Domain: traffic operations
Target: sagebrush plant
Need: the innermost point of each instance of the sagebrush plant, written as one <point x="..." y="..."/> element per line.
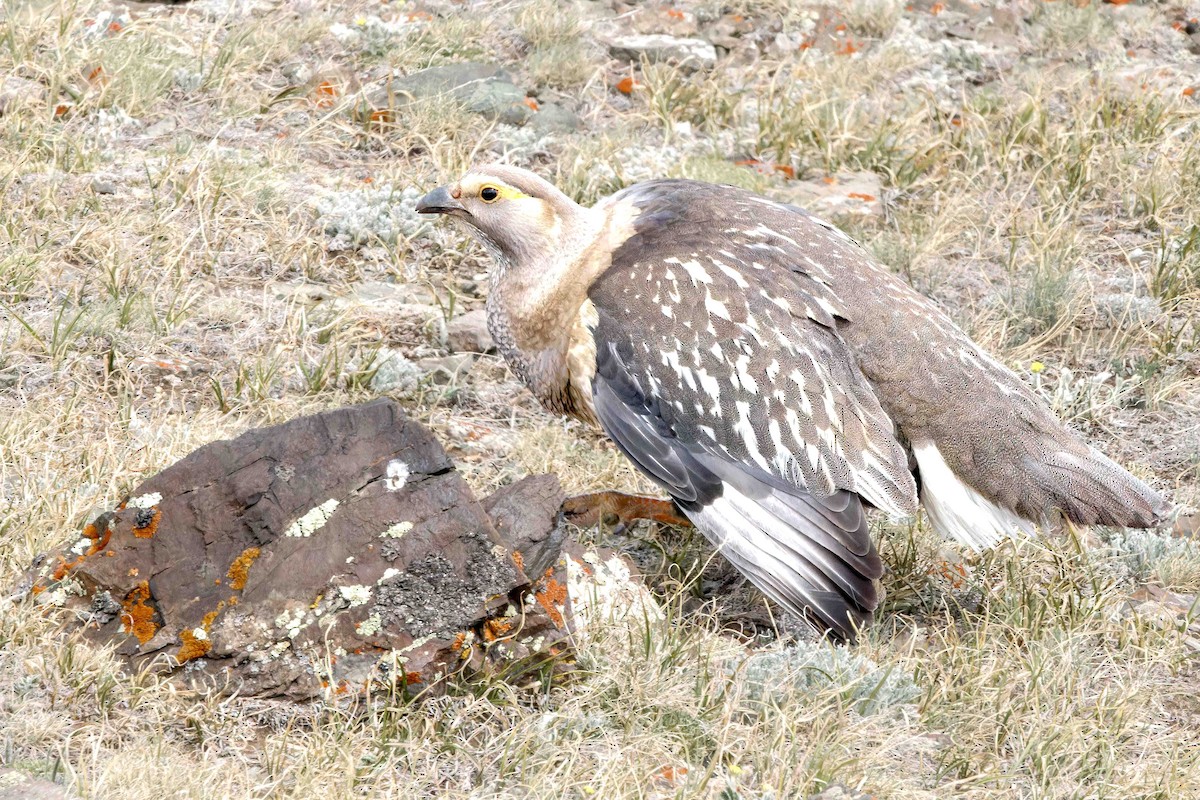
<point x="172" y="181"/>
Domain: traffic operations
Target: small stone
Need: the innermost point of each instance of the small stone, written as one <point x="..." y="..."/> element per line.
<point x="16" y="785"/>
<point x="102" y="186"/>
<point x="484" y="89"/>
<point x="849" y="193"/>
<point x="839" y="792"/>
<point x="553" y="118"/>
<point x="447" y="370"/>
<point x="19" y="93"/>
<point x="297" y="72"/>
<point x="686" y="53"/>
<point x="469" y="333"/>
<point x="161" y="128"/>
<point x="1187" y="526"/>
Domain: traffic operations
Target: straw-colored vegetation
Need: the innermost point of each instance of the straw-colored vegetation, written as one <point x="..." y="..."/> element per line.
<point x="170" y="184"/>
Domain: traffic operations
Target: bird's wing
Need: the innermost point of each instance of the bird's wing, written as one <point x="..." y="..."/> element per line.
<point x="730" y="325"/>
<point x="812" y="554"/>
<point x="721" y="374"/>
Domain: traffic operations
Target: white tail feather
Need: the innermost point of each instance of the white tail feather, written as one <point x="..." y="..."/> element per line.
<point x="956" y="510"/>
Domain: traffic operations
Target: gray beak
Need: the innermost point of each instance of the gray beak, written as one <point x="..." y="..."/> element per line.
<point x="439" y="201"/>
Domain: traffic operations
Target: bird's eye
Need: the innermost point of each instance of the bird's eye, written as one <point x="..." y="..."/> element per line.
<point x="489" y="194"/>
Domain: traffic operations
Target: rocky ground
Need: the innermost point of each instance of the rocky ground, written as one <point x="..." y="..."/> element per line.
<point x="207" y="225"/>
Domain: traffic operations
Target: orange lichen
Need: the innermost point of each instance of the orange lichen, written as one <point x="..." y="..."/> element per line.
<point x="955" y="574"/>
<point x="211" y="616"/>
<point x="192" y="647"/>
<point x="38" y="588"/>
<point x="627" y="84"/>
<point x="137" y="617"/>
<point x="493" y="629"/>
<point x="239" y="570"/>
<point x="99" y="538"/>
<point x="413" y="677"/>
<point x="552" y="597"/>
<point x="460" y="641"/>
<point x="866" y="198"/>
<point x="519" y="560"/>
<point x="64" y="567"/>
<point x="673" y="774"/>
<point x="147" y="530"/>
<point x="325" y="95"/>
<point x="532" y="104"/>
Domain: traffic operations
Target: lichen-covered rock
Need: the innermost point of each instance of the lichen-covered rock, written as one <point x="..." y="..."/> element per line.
<point x="686" y="53"/>
<point x="484" y="89"/>
<point x="328" y="555"/>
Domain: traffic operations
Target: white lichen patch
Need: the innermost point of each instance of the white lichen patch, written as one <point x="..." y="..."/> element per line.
<point x="56" y="597"/>
<point x="359" y="217"/>
<point x="369" y="626"/>
<point x="397" y="530"/>
<point x="388" y="573"/>
<point x="355" y="595"/>
<point x="145" y="501"/>
<point x="82" y="546"/>
<point x="200" y="633"/>
<point x="417" y="643"/>
<point x="291" y="622"/>
<point x="397" y="475"/>
<point x="313" y="520"/>
<point x="605" y="590"/>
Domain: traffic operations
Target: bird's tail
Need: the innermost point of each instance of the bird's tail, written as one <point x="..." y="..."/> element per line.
<point x="1091" y="489"/>
<point x="1082" y="484"/>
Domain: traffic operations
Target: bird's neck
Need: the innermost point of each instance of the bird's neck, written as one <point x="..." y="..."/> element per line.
<point x="534" y="305"/>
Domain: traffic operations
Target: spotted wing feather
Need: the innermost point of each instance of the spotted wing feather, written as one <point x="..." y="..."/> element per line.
<point x="813" y="555"/>
<point x="734" y="336"/>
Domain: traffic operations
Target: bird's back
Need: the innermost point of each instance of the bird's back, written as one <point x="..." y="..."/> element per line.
<point x="987" y="448"/>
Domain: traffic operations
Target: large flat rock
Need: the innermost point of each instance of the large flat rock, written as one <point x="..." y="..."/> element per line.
<point x="324" y="555"/>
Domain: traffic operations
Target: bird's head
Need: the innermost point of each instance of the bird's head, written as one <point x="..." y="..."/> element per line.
<point x="521" y="218"/>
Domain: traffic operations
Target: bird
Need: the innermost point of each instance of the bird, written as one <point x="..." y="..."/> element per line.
<point x="775" y="380"/>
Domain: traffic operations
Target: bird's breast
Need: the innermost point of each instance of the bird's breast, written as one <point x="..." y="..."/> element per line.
<point x="560" y="373"/>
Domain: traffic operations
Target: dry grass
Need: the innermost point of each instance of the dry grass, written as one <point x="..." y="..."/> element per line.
<point x="1022" y="198"/>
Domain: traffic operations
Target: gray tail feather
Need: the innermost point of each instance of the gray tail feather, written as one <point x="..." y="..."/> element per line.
<point x="1091" y="489"/>
<point x="812" y="555"/>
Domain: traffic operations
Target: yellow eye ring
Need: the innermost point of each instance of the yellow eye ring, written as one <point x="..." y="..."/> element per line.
<point x="489" y="194"/>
